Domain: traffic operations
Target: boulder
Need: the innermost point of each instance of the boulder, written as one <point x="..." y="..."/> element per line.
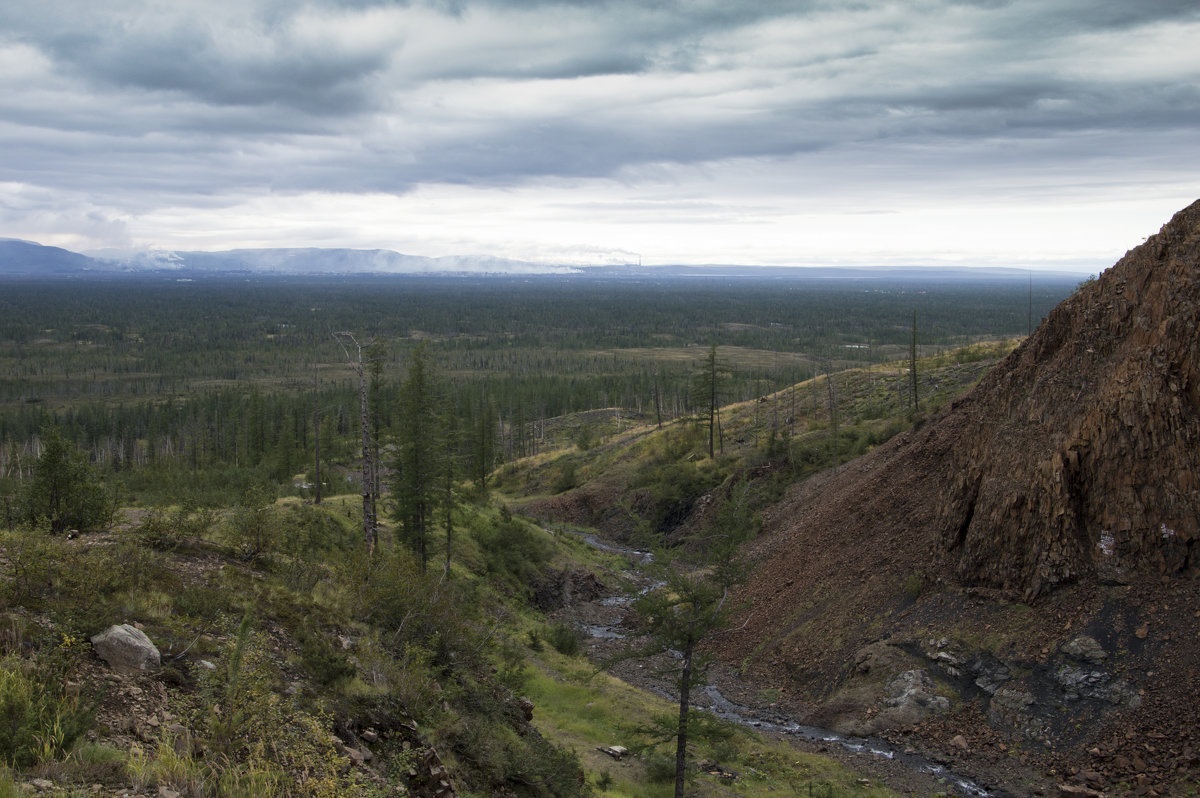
<point x="126" y="649"/>
<point x="911" y="699"/>
<point x="1085" y="649"/>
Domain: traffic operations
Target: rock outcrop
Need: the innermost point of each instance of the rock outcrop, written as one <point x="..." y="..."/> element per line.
<point x="1041" y="531"/>
<point x="1081" y="452"/>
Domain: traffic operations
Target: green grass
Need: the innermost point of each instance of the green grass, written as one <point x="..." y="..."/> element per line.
<point x="584" y="709"/>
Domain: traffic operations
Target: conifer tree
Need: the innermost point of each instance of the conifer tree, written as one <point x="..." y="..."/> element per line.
<point x="65" y="490"/>
<point x="420" y="450"/>
<point x="708" y="388"/>
<point x="912" y="364"/>
<point x="688" y="607"/>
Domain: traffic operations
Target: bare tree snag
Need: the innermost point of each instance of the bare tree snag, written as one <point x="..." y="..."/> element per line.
<point x="369" y="466"/>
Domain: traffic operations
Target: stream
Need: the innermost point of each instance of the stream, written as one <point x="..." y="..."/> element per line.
<point x="711" y="699"/>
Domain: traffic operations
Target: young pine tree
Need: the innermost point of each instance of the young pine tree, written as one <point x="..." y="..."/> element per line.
<point x="65" y="490"/>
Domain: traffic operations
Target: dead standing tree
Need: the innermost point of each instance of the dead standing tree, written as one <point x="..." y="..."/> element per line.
<point x="370" y="468"/>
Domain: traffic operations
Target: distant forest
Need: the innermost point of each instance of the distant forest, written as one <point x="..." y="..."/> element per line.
<point x="215" y="382"/>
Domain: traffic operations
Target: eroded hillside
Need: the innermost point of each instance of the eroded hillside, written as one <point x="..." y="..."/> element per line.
<point x="1031" y="551"/>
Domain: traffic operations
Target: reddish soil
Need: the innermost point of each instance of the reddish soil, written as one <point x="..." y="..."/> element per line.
<point x="1059" y="498"/>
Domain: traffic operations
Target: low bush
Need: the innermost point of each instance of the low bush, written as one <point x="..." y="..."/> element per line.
<point x="39" y="719"/>
<point x="326" y="663"/>
<point x="564" y="638"/>
<point x="513" y="550"/>
<point x="252" y="529"/>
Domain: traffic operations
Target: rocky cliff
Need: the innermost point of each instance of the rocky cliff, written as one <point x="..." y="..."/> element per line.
<point x="1032" y="549"/>
<point x="1080" y="454"/>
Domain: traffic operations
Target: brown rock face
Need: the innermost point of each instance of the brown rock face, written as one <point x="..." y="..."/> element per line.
<point x="1075" y="463"/>
<point x="1080" y="453"/>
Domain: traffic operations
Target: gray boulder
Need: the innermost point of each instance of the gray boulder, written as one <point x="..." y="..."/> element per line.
<point x="1085" y="649"/>
<point x="127" y="649"/>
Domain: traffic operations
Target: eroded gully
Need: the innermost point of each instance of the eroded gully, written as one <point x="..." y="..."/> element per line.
<point x="602" y="621"/>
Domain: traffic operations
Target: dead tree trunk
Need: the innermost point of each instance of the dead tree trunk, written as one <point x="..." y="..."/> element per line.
<point x="369" y="466"/>
<point x="316" y="442"/>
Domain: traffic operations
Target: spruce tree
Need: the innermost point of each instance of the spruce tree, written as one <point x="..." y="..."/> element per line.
<point x="420" y="450"/>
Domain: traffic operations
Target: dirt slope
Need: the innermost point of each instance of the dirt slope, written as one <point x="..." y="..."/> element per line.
<point x="1033" y="549"/>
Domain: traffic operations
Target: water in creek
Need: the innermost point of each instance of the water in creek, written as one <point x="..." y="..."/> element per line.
<point x="723" y="708"/>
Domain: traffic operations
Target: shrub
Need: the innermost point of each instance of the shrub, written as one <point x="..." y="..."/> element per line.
<point x="38" y="719"/>
<point x="327" y="664"/>
<point x="260" y="733"/>
<point x="252" y="529"/>
<point x="535" y="640"/>
<point x="163" y="530"/>
<point x="568" y="478"/>
<point x="424" y="611"/>
<point x="513" y="550"/>
<point x="660" y="768"/>
<point x="165" y="767"/>
<point x="207" y="600"/>
<point x="564" y="637"/>
<point x="673" y="489"/>
<point x="31" y="556"/>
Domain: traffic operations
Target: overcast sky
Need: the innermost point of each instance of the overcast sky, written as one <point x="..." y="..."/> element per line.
<point x="1031" y="133"/>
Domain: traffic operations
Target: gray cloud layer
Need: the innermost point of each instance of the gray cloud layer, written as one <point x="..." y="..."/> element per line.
<point x="129" y="104"/>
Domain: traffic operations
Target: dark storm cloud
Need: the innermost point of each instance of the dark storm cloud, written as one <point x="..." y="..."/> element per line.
<point x="149" y="103"/>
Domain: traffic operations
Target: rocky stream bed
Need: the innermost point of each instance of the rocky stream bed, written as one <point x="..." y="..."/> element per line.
<point x="897" y="762"/>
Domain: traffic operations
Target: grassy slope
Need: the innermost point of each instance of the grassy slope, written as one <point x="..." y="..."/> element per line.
<point x="338" y="649"/>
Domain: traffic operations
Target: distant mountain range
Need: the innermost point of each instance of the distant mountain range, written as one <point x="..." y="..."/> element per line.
<point x="30" y="259"/>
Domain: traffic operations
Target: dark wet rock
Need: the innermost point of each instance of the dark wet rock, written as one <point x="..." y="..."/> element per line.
<point x="1088" y="683"/>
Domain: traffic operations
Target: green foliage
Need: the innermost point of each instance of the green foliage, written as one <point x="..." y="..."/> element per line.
<point x="672" y="489"/>
<point x="709" y="389"/>
<point x="568" y="477"/>
<point x="252" y="528"/>
<point x="660" y="768"/>
<point x="164" y="529"/>
<point x="64" y="489"/>
<point x="79" y="586"/>
<point x="418" y="610"/>
<point x="686" y="607"/>
<point x="534" y="638"/>
<point x="421" y="455"/>
<point x="164" y="766"/>
<point x="40" y="719"/>
<point x="515" y="353"/>
<point x="31" y="556"/>
<point x="737" y="517"/>
<point x="584" y="437"/>
<point x="263" y="737"/>
<point x="564" y="637"/>
<point x="207" y="415"/>
<point x="326" y="663"/>
<point x="156" y="530"/>
<point x="504" y="761"/>
<point x="208" y="600"/>
<point x="513" y="550"/>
